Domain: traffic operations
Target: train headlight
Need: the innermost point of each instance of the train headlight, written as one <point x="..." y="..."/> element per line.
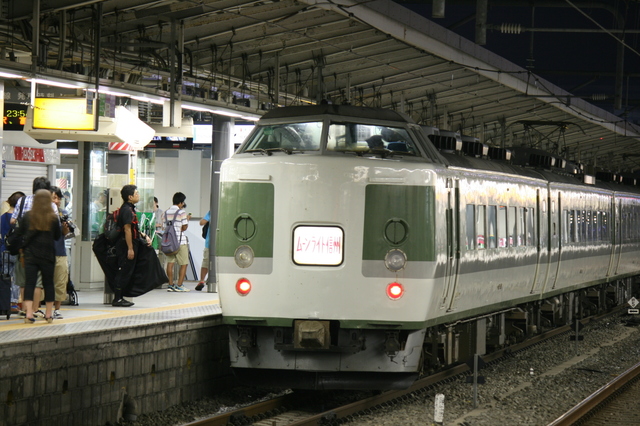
<point x="395" y="260"/>
<point x="243" y="286"/>
<point x="243" y="256"/>
<point x="395" y="291"/>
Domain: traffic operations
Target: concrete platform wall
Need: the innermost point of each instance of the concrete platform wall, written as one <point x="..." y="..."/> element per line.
<point x="81" y="379"/>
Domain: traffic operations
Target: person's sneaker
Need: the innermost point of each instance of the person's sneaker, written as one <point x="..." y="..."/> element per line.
<point x="22" y="314"/>
<point x="122" y="303"/>
<point x="181" y="288"/>
<point x="200" y="286"/>
<point x="171" y="288"/>
<point x="38" y="314"/>
<point x="57" y="315"/>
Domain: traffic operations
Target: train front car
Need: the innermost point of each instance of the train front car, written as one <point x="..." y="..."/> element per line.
<point x="326" y="249"/>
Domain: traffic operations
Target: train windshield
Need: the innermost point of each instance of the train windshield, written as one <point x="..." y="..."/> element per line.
<point x="370" y="139"/>
<point x="355" y="138"/>
<point x="289" y="138"/>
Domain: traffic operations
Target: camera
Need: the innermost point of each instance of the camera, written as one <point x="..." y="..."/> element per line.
<point x="70" y="225"/>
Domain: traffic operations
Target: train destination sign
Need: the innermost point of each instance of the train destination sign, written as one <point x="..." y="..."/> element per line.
<point x="318" y="245"/>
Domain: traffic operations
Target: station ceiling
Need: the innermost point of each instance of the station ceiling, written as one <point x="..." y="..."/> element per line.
<point x="245" y="57"/>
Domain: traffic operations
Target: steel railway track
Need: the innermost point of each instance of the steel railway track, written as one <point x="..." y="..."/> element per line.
<point x="286" y="410"/>
<point x="599" y="399"/>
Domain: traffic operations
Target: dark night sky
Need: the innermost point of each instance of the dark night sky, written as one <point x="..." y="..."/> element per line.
<point x="582" y="63"/>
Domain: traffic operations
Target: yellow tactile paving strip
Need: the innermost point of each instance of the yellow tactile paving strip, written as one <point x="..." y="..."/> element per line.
<point x="93" y="315"/>
<point x="16" y="323"/>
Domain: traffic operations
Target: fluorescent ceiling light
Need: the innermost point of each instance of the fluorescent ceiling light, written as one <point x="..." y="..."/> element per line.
<point x="110" y="92"/>
<point x="145" y="99"/>
<point x="54" y="83"/>
<point x="9" y="75"/>
<point x="197" y="108"/>
<point x="220" y="111"/>
<point x="68" y="151"/>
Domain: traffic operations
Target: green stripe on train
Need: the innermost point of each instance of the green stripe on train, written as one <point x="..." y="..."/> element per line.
<point x="400" y="217"/>
<point x="246" y="218"/>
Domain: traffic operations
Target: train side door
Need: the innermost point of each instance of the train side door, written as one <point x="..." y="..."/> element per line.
<point x="616" y="236"/>
<point x="453" y="241"/>
<point x="542" y="228"/>
<point x="555" y="238"/>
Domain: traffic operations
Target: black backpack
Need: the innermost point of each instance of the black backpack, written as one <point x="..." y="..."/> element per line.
<point x="111" y="229"/>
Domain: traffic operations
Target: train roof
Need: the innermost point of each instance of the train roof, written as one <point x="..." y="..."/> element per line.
<point x="501" y="166"/>
<point x="347" y="111"/>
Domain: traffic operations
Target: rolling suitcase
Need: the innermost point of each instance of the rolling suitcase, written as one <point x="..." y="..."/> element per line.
<point x="5" y="286"/>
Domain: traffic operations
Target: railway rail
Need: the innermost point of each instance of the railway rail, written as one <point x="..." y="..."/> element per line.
<point x="600" y="399"/>
<point x="287" y="409"/>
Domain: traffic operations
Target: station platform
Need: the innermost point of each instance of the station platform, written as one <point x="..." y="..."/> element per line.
<point x="92" y="314"/>
<point x="167" y="349"/>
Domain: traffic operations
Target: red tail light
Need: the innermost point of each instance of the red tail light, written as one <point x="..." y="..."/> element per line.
<point x="395" y="291"/>
<point x="243" y="286"/>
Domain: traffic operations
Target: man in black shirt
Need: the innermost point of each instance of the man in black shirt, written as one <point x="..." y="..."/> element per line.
<point x="127" y="247"/>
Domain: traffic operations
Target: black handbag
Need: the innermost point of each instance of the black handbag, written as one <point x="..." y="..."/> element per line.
<point x="205" y="229"/>
<point x="14" y="241"/>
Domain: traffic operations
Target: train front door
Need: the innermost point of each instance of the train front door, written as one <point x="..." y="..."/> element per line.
<point x="453" y="242"/>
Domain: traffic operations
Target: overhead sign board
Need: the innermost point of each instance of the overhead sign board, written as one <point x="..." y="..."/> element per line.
<point x="62" y="114"/>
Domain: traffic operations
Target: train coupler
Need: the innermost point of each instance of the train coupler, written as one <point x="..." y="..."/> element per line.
<point x="392" y="343"/>
<point x="246" y="339"/>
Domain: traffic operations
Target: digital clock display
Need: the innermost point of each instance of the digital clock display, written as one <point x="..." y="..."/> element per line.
<point x="15" y="116"/>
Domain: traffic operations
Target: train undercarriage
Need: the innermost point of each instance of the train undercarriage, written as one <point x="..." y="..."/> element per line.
<point x="316" y="354"/>
<point x="458" y="342"/>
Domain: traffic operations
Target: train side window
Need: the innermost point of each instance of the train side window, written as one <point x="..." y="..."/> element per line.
<point x="521" y="240"/>
<point x="605" y="227"/>
<point x="566" y="220"/>
<point x="589" y="225"/>
<point x="491" y="220"/>
<point x="512" y="219"/>
<point x="471" y="226"/>
<point x="502" y="226"/>
<point x="598" y="225"/>
<point x="627" y="227"/>
<point x="571" y="227"/>
<point x="530" y="228"/>
<point x="480" y="234"/>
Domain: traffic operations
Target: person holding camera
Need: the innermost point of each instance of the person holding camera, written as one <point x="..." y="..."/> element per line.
<point x="180" y="221"/>
<point x="61" y="269"/>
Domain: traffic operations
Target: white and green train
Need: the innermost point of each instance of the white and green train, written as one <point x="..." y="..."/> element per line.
<point x="353" y="253"/>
